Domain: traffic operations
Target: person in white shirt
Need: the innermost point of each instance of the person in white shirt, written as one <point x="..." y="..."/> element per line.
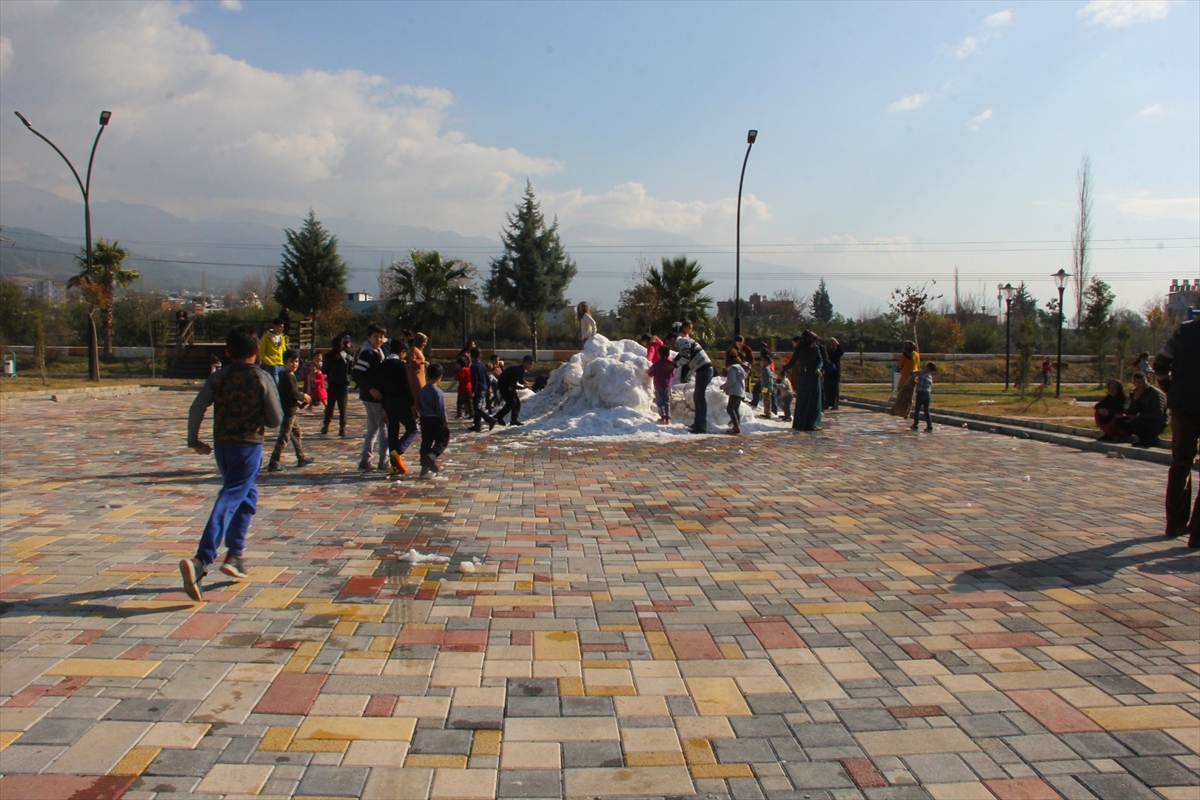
<point x="587" y="324"/>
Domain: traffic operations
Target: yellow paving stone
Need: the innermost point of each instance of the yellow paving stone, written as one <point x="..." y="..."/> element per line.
<point x="926" y="695"/>
<point x="1043" y="679"/>
<point x="959" y="791"/>
<point x="463" y="784"/>
<point x="915" y="742"/>
<point x="254" y="672"/>
<point x="747" y="575"/>
<point x="924" y="666"/>
<point x="7" y="738"/>
<point x="1069" y="597"/>
<point x="530" y="755"/>
<point x="904" y="566"/>
<point x="1135" y="718"/>
<point x="425" y="707"/>
<point x="958" y="684"/>
<point x="811" y="682"/>
<point x="135" y="761"/>
<point x="102" y="668"/>
<point x="793" y="655"/>
<point x="530" y="600"/>
<point x="1066" y="652"/>
<point x="388" y="755"/>
<point x="319" y="746"/>
<point x="556" y="646"/>
<point x="352" y="728"/>
<point x="1165" y="684"/>
<point x="731" y="650"/>
<point x="605" y="690"/>
<point x="650" y="740"/>
<point x="485" y="743"/>
<point x="689" y="525"/>
<point x="174" y="735"/>
<point x="654" y="669"/>
<point x="340" y="705"/>
<point x="853" y="672"/>
<point x="698" y="751"/>
<point x="660" y="647"/>
<point x="571" y="687"/>
<point x="277" y="738"/>
<point x="668" y="687"/>
<point x="601" y="664"/>
<point x="277" y="598"/>
<point x="819" y="609"/>
<point x="717" y="697"/>
<point x="435" y="761"/>
<point x="1001" y="655"/>
<point x="653" y="759"/>
<point x="298" y="663"/>
<point x="447" y="677"/>
<point x="646" y="706"/>
<point x="628" y="782"/>
<point x="1177" y="792"/>
<point x="709" y="771"/>
<point x="1188" y="737"/>
<point x="764" y="684"/>
<point x="235" y="779"/>
<point x="1087" y="697"/>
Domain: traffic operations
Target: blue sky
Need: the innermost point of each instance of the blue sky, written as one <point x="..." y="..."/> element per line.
<point x="887" y="130"/>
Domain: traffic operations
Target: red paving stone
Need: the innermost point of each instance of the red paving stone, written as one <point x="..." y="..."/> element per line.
<point x="776" y="635"/>
<point x="202" y="626"/>
<point x="363" y="584"/>
<point x="1023" y="789"/>
<point x="63" y="787"/>
<point x="863" y="773"/>
<point x="291" y="693"/>
<point x="693" y="646"/>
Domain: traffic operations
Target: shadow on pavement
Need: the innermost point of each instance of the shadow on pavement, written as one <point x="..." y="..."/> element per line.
<point x="1091" y="566"/>
<point x="85" y="604"/>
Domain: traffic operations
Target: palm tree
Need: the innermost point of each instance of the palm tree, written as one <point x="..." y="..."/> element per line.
<point x="680" y="292"/>
<point x="100" y="289"/>
<point x="425" y="289"/>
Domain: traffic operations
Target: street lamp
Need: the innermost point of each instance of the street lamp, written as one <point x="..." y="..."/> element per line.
<point x="1060" y="280"/>
<point x="462" y="299"/>
<point x="737" y="268"/>
<point x="1008" y="292"/>
<point x="85" y="188"/>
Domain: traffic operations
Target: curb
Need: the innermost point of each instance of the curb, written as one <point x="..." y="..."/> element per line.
<point x="1039" y="431"/>
<point x="91" y="393"/>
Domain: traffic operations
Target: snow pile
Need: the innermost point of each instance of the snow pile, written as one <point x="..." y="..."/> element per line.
<point x="605" y="391"/>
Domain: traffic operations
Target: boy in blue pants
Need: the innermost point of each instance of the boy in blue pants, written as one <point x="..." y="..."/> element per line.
<point x="244" y="402"/>
<point x="923" y="395"/>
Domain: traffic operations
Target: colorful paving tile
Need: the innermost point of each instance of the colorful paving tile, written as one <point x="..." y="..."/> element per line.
<point x="856" y="613"/>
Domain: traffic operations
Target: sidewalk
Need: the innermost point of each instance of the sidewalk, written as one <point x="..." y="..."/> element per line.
<point x="862" y="612"/>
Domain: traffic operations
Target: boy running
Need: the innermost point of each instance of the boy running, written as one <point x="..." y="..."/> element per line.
<point x="291" y="399"/>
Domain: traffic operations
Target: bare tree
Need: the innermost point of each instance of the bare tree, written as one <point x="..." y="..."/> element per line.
<point x="911" y="303"/>
<point x="1081" y="245"/>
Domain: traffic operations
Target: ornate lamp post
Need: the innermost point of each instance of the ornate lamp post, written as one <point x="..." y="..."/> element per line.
<point x="1008" y="291"/>
<point x="737" y="268"/>
<point x="1060" y="280"/>
<point x="85" y="188"/>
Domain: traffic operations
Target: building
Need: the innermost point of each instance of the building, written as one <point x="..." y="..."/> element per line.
<point x="50" y="291"/>
<point x="358" y="302"/>
<point x="757" y="305"/>
<point x="1182" y="296"/>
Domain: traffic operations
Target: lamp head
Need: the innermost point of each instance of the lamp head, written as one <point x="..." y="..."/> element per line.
<point x="1060" y="279"/>
<point x="104" y="117"/>
<point x="751" y="136"/>
<point x="1009" y="291"/>
<point x="21" y="117"/>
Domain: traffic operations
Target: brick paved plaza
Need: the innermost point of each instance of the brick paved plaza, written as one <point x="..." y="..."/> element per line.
<point x="860" y="612"/>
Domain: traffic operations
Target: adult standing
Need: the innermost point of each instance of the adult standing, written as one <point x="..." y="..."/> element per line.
<point x="270" y="350"/>
<point x="807" y="368"/>
<point x="417" y="363"/>
<point x="587" y="324"/>
<point x="1177" y="367"/>
<point x="910" y="362"/>
<point x="693" y="359"/>
<point x="337" y="364"/>
<point x="833" y="373"/>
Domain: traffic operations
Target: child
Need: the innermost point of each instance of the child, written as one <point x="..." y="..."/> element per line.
<point x="508" y="383"/>
<point x="214" y="364"/>
<point x="786" y="395"/>
<point x="463" y="378"/>
<point x="662" y="370"/>
<point x="398" y="406"/>
<point x="366" y="374"/>
<point x="766" y="384"/>
<point x="923" y="391"/>
<point x="479" y="391"/>
<point x="291" y="399"/>
<point x="244" y="403"/>
<point x="314" y="383"/>
<point x="495" y="367"/>
<point x="735" y="387"/>
<point x="435" y="431"/>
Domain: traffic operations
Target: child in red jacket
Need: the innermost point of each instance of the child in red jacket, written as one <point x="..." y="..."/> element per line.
<point x="463" y="376"/>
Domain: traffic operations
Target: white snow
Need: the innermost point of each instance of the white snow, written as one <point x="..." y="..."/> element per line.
<point x="605" y="392"/>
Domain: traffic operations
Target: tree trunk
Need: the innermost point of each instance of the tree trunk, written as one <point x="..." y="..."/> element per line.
<point x="534" y="331"/>
<point x="106" y="319"/>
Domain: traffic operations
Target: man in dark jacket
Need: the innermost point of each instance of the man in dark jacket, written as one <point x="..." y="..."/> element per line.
<point x="512" y="378"/>
<point x="479" y="389"/>
<point x="1146" y="416"/>
<point x="337" y="365"/>
<point x="1177" y="367"/>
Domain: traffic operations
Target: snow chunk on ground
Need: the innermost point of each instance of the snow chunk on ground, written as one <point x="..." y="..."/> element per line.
<point x="604" y="391"/>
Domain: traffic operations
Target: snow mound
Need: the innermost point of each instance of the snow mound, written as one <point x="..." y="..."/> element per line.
<point x="604" y="391"/>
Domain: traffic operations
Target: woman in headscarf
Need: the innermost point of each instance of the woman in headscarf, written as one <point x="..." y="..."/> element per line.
<point x="1109" y="409"/>
<point x="833" y="372"/>
<point x="910" y="362"/>
<point x="807" y="366"/>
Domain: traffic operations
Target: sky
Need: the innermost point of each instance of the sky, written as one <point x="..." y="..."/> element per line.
<point x="897" y="141"/>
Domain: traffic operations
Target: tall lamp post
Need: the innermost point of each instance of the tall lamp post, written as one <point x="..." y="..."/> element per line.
<point x="737" y="267"/>
<point x="84" y="187"/>
<point x="462" y="301"/>
<point x="1008" y="291"/>
<point x="1060" y="280"/>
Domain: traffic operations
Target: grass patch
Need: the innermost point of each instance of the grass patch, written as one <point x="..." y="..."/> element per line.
<point x="994" y="401"/>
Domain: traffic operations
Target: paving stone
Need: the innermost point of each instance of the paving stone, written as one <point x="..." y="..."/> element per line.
<point x="1123" y="786"/>
<point x="530" y="783"/>
<point x="1157" y="770"/>
<point x="592" y="754"/>
<point x="333" y="781"/>
<point x="1148" y="743"/>
<point x="825" y="775"/>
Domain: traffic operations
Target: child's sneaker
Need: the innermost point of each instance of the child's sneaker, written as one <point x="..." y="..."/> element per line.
<point x="364" y="465"/>
<point x="735" y="430"/>
<point x="235" y="567"/>
<point x="929" y="429"/>
<point x="397" y="463"/>
<point x="914" y="427"/>
<point x="274" y="466"/>
<point x="304" y="462"/>
<point x="193" y="572"/>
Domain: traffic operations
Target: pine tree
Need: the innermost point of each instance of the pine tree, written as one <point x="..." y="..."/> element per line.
<point x="822" y="306"/>
<point x="535" y="269"/>
<point x="310" y="267"/>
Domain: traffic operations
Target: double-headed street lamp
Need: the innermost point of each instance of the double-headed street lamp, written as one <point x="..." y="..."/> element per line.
<point x="737" y="268"/>
<point x="85" y="187"/>
<point x="1008" y="291"/>
<point x="1060" y="280"/>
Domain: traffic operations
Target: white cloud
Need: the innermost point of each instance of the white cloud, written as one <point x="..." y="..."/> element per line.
<point x="231" y="5"/>
<point x="1122" y="13"/>
<point x="198" y="133"/>
<point x="909" y="102"/>
<point x="999" y="19"/>
<point x="1144" y="207"/>
<point x="630" y="206"/>
<point x="976" y="122"/>
<point x="969" y="45"/>
<point x="1151" y="111"/>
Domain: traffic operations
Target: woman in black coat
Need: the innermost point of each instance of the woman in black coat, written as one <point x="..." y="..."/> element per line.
<point x="833" y="372"/>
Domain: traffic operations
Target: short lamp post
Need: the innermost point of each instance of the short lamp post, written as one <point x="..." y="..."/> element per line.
<point x="737" y="262"/>
<point x="462" y="301"/>
<point x="85" y="187"/>
<point x="1008" y="291"/>
<point x="1060" y="281"/>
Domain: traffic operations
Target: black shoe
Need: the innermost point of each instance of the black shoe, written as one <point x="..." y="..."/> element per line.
<point x="1106" y="438"/>
<point x="929" y="429"/>
<point x="325" y="431"/>
<point x="304" y="462"/>
<point x="193" y="572"/>
<point x="274" y="467"/>
<point x="364" y="465"/>
<point x="1194" y="541"/>
<point x="914" y="427"/>
<point x="475" y="429"/>
<point x="1145" y="442"/>
<point x="697" y="430"/>
<point x="516" y="424"/>
<point x="1175" y="533"/>
<point x="491" y="423"/>
<point x="341" y="434"/>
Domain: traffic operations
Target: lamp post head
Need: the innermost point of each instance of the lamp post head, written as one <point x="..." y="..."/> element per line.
<point x="751" y="136"/>
<point x="104" y="118"/>
<point x="21" y="117"/>
<point x="1009" y="292"/>
<point x="1060" y="279"/>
